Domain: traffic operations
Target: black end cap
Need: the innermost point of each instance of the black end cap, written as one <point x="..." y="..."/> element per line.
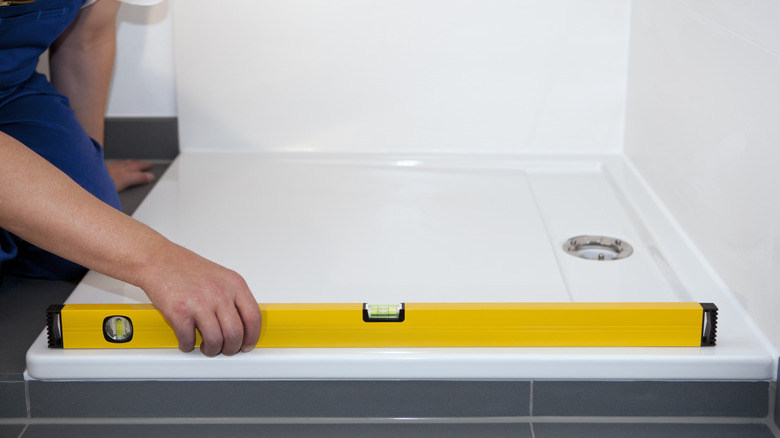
<point x="709" y="324"/>
<point x="54" y="325"/>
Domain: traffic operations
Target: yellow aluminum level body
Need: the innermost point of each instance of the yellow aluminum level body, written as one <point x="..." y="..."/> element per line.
<point x="424" y="325"/>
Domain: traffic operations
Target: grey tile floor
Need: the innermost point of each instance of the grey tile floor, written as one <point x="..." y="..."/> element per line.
<point x="739" y="413"/>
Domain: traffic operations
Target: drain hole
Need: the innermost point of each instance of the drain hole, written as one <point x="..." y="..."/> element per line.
<point x="598" y="248"/>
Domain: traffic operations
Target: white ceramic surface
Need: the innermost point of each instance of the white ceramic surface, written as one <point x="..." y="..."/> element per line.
<point x="345" y="228"/>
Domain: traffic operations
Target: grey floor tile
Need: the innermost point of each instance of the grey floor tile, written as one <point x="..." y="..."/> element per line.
<point x="23" y="303"/>
<point x="10" y="430"/>
<point x="351" y="398"/>
<point x="639" y="430"/>
<point x="284" y="430"/>
<point x="691" y="399"/>
<point x="13" y="402"/>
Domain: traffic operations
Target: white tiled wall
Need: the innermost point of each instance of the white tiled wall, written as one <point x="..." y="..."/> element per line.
<point x="431" y="75"/>
<point x="703" y="126"/>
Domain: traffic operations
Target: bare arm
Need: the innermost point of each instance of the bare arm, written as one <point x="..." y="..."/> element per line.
<point x="45" y="207"/>
<point x="81" y="62"/>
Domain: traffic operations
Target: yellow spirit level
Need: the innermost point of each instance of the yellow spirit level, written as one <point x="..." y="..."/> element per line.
<point x="409" y="325"/>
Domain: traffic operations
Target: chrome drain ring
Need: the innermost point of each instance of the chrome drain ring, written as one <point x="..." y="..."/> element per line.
<point x="600" y="248"/>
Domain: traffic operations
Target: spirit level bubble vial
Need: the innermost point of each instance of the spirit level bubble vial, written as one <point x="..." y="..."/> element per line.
<point x="117" y="329"/>
<point x="338" y="325"/>
<point x="383" y="312"/>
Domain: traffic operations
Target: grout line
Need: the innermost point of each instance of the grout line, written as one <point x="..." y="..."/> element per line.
<point x="773" y="428"/>
<point x="382" y="420"/>
<point x="260" y="420"/>
<point x="531" y="408"/>
<point x="27" y="398"/>
<point x="771" y="419"/>
<point x="24" y="429"/>
<point x="652" y="420"/>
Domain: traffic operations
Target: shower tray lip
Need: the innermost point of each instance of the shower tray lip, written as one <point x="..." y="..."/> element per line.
<point x="742" y="352"/>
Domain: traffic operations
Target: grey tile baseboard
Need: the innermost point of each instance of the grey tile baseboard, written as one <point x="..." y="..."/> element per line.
<point x="149" y="138"/>
<point x="651" y="398"/>
<point x="398" y="399"/>
<point x="644" y="430"/>
<point x="315" y="398"/>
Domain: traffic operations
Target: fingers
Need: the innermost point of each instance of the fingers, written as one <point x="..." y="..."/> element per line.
<point x="221" y="332"/>
<point x="185" y="333"/>
<point x="194" y="293"/>
<point x="250" y="316"/>
<point x="232" y="331"/>
<point x="227" y="323"/>
<point x="129" y="173"/>
<point x="211" y="332"/>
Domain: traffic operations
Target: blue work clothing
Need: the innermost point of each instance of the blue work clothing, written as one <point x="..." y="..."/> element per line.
<point x="35" y="114"/>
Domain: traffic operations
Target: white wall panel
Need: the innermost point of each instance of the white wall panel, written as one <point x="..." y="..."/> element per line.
<point x="702" y="126"/>
<point x="143" y="82"/>
<point x="753" y="20"/>
<point x="465" y="75"/>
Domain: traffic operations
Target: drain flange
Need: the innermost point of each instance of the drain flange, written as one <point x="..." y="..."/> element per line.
<point x="598" y="248"/>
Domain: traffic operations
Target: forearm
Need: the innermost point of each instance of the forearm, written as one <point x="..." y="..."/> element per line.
<point x="81" y="63"/>
<point x="45" y="207"/>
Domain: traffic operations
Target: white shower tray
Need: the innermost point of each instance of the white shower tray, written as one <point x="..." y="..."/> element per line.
<point x="307" y="227"/>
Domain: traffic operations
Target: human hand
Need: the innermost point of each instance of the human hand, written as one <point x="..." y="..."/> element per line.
<point x="128" y="173"/>
<point x="192" y="292"/>
<point x="47" y="208"/>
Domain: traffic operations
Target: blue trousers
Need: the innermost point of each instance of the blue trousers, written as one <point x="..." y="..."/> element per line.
<point x="41" y="119"/>
<point x="35" y="114"/>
